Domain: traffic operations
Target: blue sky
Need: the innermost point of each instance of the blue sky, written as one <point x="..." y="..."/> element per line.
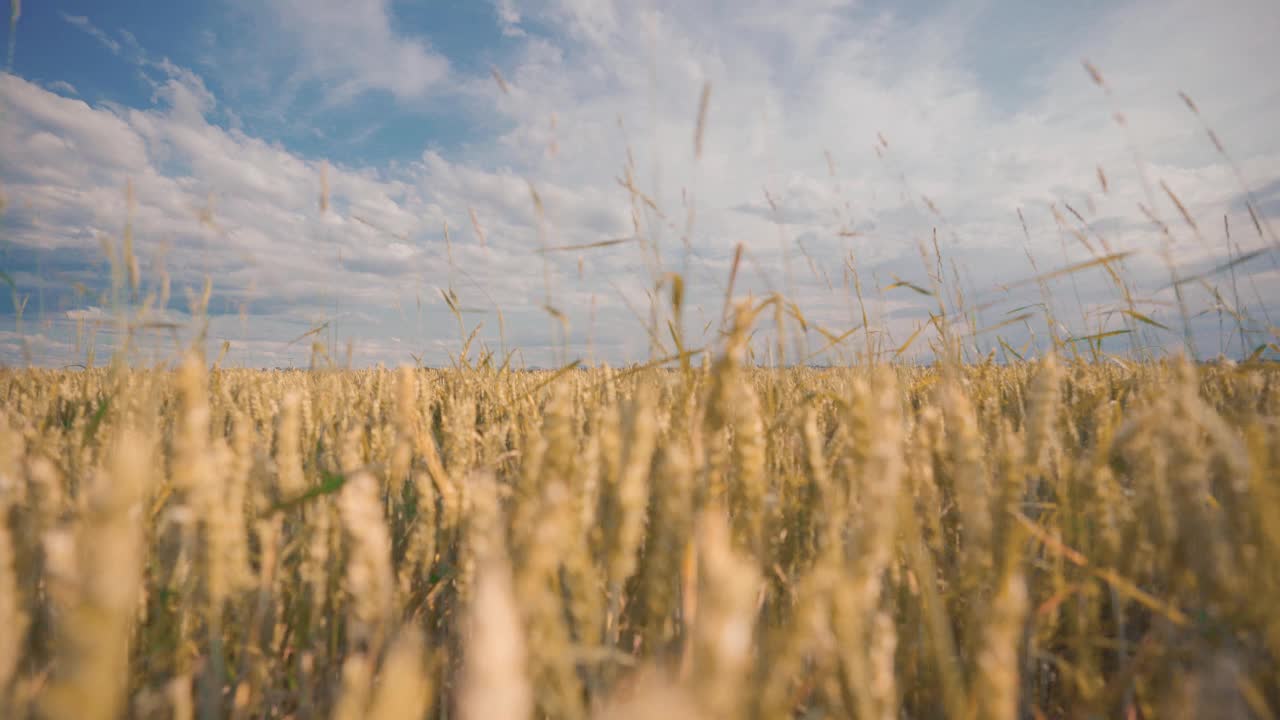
<point x="228" y="117"/>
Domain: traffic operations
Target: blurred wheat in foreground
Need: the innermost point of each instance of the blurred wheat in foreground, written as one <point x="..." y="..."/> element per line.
<point x="1048" y="539"/>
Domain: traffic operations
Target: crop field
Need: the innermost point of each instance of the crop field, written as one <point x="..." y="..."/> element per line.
<point x="1055" y="538"/>
<point x="1035" y="476"/>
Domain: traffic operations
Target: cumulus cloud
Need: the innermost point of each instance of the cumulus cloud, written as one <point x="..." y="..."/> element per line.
<point x="214" y="202"/>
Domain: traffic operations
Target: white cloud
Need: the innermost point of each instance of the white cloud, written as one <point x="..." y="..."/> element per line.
<point x="788" y="90"/>
<point x="63" y="87"/>
<point x="93" y="31"/>
<point x="508" y="18"/>
<point x="353" y="47"/>
<point x="91" y="312"/>
<point x="267" y="243"/>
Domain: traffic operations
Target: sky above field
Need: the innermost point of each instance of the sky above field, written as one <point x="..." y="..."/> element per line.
<point x="342" y="165"/>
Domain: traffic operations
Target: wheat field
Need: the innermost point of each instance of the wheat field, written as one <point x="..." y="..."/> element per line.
<point x="1078" y="530"/>
<point x="1052" y="538"/>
